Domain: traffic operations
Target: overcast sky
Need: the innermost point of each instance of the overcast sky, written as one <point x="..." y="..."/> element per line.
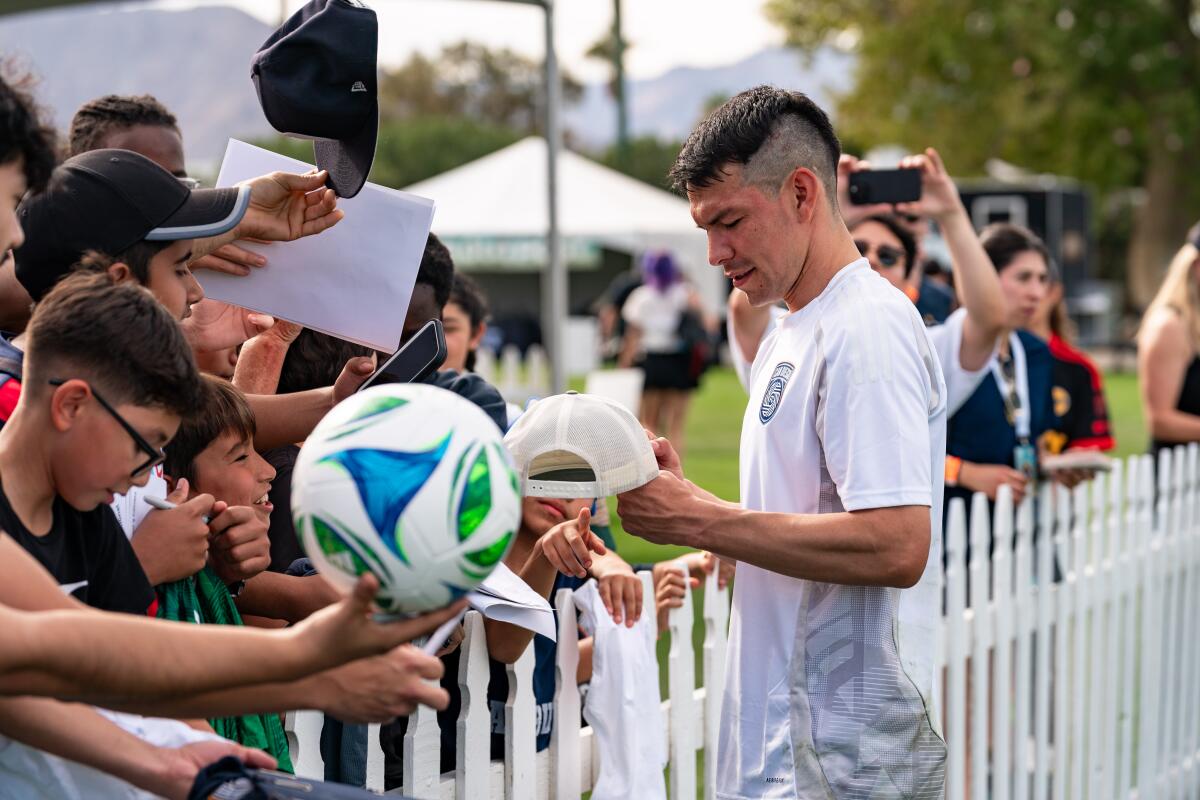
<point x="663" y="33"/>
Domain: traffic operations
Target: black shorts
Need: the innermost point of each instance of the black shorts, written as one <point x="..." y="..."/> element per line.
<point x="668" y="371"/>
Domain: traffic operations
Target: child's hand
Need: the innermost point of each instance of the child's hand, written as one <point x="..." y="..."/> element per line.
<point x="240" y="548"/>
<point x="621" y="593"/>
<point x="670" y="589"/>
<point x="568" y="545"/>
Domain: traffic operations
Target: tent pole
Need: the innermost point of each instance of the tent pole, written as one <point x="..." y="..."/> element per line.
<point x="554" y="283"/>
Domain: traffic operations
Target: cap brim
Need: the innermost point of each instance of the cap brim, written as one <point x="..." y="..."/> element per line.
<point x="349" y="160"/>
<point x="206" y="212"/>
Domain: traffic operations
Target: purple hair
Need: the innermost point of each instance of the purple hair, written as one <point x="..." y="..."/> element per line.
<point x="659" y="270"/>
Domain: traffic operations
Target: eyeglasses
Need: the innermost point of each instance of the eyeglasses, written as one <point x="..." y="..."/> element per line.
<point x="157" y="456"/>
<point x="888" y="256"/>
<point x="190" y="183"/>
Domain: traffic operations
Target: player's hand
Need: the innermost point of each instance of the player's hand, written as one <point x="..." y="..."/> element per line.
<point x="240" y="547"/>
<point x="347" y="631"/>
<point x="285" y="206"/>
<point x="664" y="511"/>
<point x="664" y="452"/>
<point x="179" y="766"/>
<point x="988" y="478"/>
<point x="384" y="687"/>
<point x="569" y="545"/>
<point x="173" y="545"/>
<point x="939" y="195"/>
<point x="354" y="375"/>
<point x="214" y="325"/>
<point x="230" y="260"/>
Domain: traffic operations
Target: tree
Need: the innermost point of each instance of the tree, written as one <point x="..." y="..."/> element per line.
<point x="470" y="80"/>
<point x="1104" y="90"/>
<point x="646" y="158"/>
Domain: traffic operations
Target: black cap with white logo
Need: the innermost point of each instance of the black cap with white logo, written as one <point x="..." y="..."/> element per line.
<point x="315" y="79"/>
<point x="109" y="200"/>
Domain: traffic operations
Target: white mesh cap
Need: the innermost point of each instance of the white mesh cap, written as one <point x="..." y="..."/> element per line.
<point x="578" y="445"/>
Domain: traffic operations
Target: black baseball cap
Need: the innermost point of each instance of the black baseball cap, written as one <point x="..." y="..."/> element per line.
<point x="109" y="200"/>
<point x="316" y="79"/>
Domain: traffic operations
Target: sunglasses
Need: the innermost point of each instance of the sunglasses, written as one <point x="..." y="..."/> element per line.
<point x="156" y="455"/>
<point x="888" y="256"/>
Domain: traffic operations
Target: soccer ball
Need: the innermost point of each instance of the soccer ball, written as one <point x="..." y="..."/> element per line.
<point x="413" y="484"/>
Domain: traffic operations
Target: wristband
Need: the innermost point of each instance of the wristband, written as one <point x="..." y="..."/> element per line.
<point x="953" y="468"/>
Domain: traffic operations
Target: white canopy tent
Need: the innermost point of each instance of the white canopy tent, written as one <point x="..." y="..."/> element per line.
<point x="500" y="195"/>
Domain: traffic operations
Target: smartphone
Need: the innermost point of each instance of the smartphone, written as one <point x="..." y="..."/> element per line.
<point x="419" y="358"/>
<point x="885" y="186"/>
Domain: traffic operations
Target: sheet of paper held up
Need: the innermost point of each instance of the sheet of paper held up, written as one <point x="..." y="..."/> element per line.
<point x="353" y="281"/>
<point x="504" y="597"/>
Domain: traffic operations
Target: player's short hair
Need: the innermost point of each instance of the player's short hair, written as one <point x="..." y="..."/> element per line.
<point x="770" y="132"/>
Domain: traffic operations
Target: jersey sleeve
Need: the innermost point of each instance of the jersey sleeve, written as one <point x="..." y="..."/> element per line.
<point x="116" y="580"/>
<point x="947" y="342"/>
<point x="632" y="311"/>
<point x="877" y="391"/>
<point x="1086" y="426"/>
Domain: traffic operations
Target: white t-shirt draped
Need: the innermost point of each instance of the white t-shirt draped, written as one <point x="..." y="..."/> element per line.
<point x="657" y="314"/>
<point x="830" y="688"/>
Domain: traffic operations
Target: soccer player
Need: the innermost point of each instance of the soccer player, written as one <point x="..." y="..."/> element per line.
<point x="830" y="674"/>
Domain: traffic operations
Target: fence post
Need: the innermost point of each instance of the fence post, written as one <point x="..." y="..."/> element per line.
<point x="1025" y="625"/>
<point x="473" y="729"/>
<point x="1131" y="560"/>
<point x="956" y="649"/>
<point x="1041" y="671"/>
<point x="1151" y="620"/>
<point x="1003" y="605"/>
<point x="303" y="732"/>
<point x="1082" y="669"/>
<point x="565" y="756"/>
<point x="1064" y="592"/>
<point x="681" y="681"/>
<point x="716" y="635"/>
<point x="1102" y="592"/>
<point x="978" y="702"/>
<point x="422" y="754"/>
<point x="520" y="731"/>
<point x="1188" y="720"/>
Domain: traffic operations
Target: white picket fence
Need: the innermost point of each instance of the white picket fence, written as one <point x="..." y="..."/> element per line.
<point x="1082" y="688"/>
<point x="571" y="765"/>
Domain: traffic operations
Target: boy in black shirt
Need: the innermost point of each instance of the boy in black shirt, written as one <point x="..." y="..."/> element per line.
<point x="99" y="402"/>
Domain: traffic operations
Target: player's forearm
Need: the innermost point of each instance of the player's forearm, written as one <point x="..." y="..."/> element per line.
<point x="876" y="547"/>
<point x="263" y="698"/>
<point x="288" y="418"/>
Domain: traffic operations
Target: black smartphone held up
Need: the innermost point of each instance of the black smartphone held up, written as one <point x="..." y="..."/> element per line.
<point x="416" y="360"/>
<point x="885" y="186"/>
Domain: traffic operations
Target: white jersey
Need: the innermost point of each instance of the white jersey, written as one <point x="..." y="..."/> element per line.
<point x="830" y="689"/>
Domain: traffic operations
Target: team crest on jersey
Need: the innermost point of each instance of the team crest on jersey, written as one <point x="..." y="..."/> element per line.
<point x="774" y="394"/>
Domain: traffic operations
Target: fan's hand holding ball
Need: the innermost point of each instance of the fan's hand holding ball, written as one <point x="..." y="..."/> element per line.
<point x="410" y="483"/>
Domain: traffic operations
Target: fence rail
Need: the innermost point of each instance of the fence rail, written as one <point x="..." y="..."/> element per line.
<point x="1070" y="661"/>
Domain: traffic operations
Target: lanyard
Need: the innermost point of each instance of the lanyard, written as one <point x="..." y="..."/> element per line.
<point x="1015" y="393"/>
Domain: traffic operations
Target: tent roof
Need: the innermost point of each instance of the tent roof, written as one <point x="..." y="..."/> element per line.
<point x="504" y="194"/>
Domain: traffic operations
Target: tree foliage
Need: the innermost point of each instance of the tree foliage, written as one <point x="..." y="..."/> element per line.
<point x="1104" y="90"/>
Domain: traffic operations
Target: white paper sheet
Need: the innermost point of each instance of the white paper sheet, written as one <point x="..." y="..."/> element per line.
<point x="353" y="281"/>
<point x="504" y="597"/>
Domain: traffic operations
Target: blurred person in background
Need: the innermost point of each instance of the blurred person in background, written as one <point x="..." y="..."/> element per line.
<point x="465" y="318"/>
<point x="1169" y="352"/>
<point x="1080" y="413"/>
<point x="664" y="327"/>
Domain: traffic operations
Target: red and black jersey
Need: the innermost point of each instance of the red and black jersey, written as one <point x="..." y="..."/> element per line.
<point x="1080" y="413"/>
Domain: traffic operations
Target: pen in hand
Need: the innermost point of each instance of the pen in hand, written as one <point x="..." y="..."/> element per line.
<point x="166" y="505"/>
